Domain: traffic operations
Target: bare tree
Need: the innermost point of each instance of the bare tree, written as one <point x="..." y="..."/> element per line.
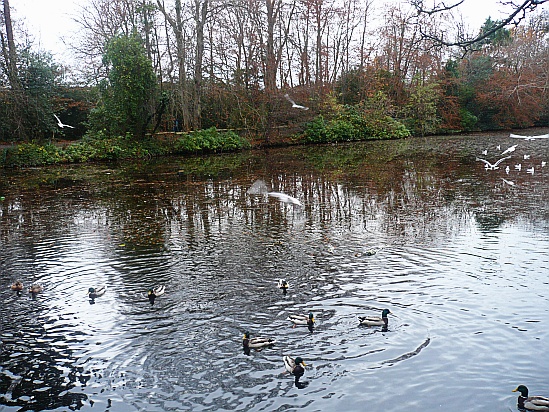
<point x="9" y="51"/>
<point x="177" y="22"/>
<point x="515" y="16"/>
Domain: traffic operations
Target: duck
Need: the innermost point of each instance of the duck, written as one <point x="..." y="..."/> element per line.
<point x="255" y="343"/>
<point x="374" y="320"/>
<point x="284" y="285"/>
<point x="533" y="403"/>
<point x="306" y="320"/>
<point x="295" y="366"/>
<point x="17" y="287"/>
<point x="94" y="293"/>
<point x="35" y="288"/>
<point x="155" y="292"/>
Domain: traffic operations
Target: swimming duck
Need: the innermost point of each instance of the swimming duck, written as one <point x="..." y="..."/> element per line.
<point x="295" y="366"/>
<point x="374" y="320"/>
<point x="533" y="403"/>
<point x="307" y="320"/>
<point x="283" y="284"/>
<point x="17" y="287"/>
<point x="255" y="343"/>
<point x="156" y="292"/>
<point x="35" y="288"/>
<point x="94" y="293"/>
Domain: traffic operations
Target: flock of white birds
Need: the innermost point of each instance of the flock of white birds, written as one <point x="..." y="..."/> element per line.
<point x="530" y="168"/>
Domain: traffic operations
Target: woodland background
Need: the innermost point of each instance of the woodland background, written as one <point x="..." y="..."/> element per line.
<point x="145" y="67"/>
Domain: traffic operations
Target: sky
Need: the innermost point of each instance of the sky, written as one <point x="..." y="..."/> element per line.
<point x="50" y="21"/>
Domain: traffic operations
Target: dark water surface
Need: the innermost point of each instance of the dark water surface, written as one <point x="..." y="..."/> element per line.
<point x="461" y="261"/>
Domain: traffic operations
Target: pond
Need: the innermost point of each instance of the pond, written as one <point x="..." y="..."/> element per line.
<point x="456" y="252"/>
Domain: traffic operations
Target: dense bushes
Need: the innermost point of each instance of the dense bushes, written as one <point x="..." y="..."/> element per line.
<point x="209" y="140"/>
<point x="101" y="148"/>
<point x="351" y="124"/>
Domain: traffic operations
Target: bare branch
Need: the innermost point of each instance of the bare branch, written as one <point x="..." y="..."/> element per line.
<point x="418" y="4"/>
<point x="514" y="18"/>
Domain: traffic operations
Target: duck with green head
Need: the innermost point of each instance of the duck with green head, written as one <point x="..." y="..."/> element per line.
<point x="257" y="343"/>
<point x="283" y="285"/>
<point x="295" y="366"/>
<point x="305" y="320"/>
<point x="374" y="320"/>
<point x="94" y="293"/>
<point x="531" y="403"/>
<point x="155" y="292"/>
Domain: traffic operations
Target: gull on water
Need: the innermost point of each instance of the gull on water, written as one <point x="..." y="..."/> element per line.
<point x="260" y="188"/>
<point x="507" y="169"/>
<point x="518" y="167"/>
<point x="60" y="124"/>
<point x="510" y="149"/>
<point x="294" y="104"/>
<point x="490" y="166"/>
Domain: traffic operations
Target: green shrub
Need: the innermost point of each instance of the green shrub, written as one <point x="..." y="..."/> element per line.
<point x="351" y="124"/>
<point x="340" y="130"/>
<point x="315" y="131"/>
<point x="387" y="128"/>
<point x="468" y="119"/>
<point x="31" y="154"/>
<point x="210" y="140"/>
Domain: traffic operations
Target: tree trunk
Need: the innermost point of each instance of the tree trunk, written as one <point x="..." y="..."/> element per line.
<point x="9" y="51"/>
<point x="201" y="13"/>
<point x="177" y="27"/>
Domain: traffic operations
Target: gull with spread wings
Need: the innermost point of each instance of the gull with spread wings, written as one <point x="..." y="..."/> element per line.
<point x="61" y="124"/>
<point x="294" y="104"/>
<point x="490" y="166"/>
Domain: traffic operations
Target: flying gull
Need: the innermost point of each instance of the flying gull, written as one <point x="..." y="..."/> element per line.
<point x="540" y="136"/>
<point x="294" y="104"/>
<point x="490" y="166"/>
<point x="260" y="188"/>
<point x="510" y="149"/>
<point x="60" y="124"/>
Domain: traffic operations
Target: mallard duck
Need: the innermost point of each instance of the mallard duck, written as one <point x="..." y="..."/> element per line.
<point x="295" y="366"/>
<point x="17" y="286"/>
<point x="94" y="293"/>
<point x="155" y="292"/>
<point x="533" y="403"/>
<point x="283" y="284"/>
<point x="34" y="289"/>
<point x="374" y="320"/>
<point x="255" y="343"/>
<point x="305" y="320"/>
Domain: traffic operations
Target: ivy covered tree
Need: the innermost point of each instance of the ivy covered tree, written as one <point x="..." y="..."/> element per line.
<point x="26" y="111"/>
<point x="127" y="96"/>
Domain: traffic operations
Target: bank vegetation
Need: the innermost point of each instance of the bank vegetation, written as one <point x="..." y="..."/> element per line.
<point x="152" y="78"/>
